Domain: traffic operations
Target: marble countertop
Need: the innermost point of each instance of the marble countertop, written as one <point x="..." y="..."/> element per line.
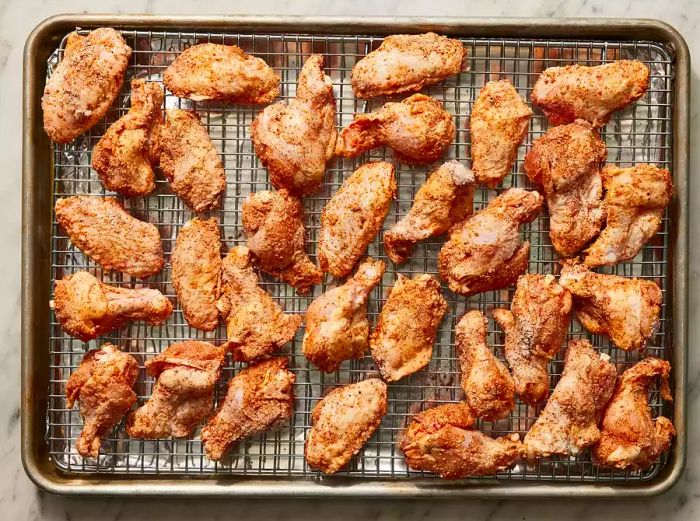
<point x="20" y="500"/>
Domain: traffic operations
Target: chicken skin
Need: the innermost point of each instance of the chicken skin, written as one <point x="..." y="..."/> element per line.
<point x="125" y="155"/>
<point x="488" y="386"/>
<point x="196" y="268"/>
<point x="535" y="327"/>
<point x="104" y="231"/>
<point x="592" y="93"/>
<point x="225" y="73"/>
<point x="343" y="421"/>
<point x="255" y="324"/>
<point x="274" y="225"/>
<point x="418" y="129"/>
<point x="635" y="200"/>
<point x="626" y="309"/>
<point x="443" y="440"/>
<point x="85" y="83"/>
<point x="486" y="252"/>
<point x="566" y="163"/>
<point x="259" y="398"/>
<point x="630" y="439"/>
<point x="337" y="328"/>
<point x="498" y="124"/>
<point x="406" y="63"/>
<point x="103" y="385"/>
<point x="569" y="422"/>
<point x="443" y="201"/>
<point x="182" y="396"/>
<point x="87" y="308"/>
<point x="354" y="216"/>
<point x="296" y="139"/>
<point x="402" y="341"/>
<point x="190" y="162"/>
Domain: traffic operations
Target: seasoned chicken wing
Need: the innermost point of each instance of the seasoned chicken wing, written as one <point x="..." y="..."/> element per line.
<point x="103" y="385"/>
<point x="486" y="252"/>
<point x="259" y="398"/>
<point x="443" y="201"/>
<point x="216" y="72"/>
<point x="343" y="421"/>
<point x="103" y="230"/>
<point x="84" y="84"/>
<point x="354" y="216"/>
<point x="497" y="125"/>
<point x="407" y="63"/>
<point x="296" y="139"/>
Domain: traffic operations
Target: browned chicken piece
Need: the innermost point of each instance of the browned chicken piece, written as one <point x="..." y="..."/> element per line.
<point x="630" y="439"/>
<point x="569" y="422"/>
<point x="354" y="216"/>
<point x="635" y="200"/>
<point x="87" y="308"/>
<point x="591" y="93"/>
<point x="295" y="139"/>
<point x="535" y="327"/>
<point x="497" y="125"/>
<point x="259" y="398"/>
<point x="402" y="341"/>
<point x="488" y="386"/>
<point x="255" y="324"/>
<point x="418" y="129"/>
<point x="225" y="73"/>
<point x="443" y="440"/>
<point x="443" y="201"/>
<point x="626" y="309"/>
<point x="566" y="163"/>
<point x="486" y="252"/>
<point x="274" y="225"/>
<point x="183" y="394"/>
<point x="103" y="385"/>
<point x="337" y="328"/>
<point x="84" y="84"/>
<point x="407" y="63"/>
<point x="342" y="422"/>
<point x="190" y="162"/>
<point x="125" y="155"/>
<point x="103" y="230"/>
<point x="196" y="268"/>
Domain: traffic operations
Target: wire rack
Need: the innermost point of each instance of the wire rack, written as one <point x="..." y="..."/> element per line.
<point x="641" y="133"/>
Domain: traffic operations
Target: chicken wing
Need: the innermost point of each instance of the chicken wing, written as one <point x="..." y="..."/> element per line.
<point x="183" y="394"/>
<point x="342" y="422"/>
<point x="84" y="84"/>
<point x="275" y="229"/>
<point x="103" y="385"/>
<point x="407" y="63"/>
<point x="486" y="252"/>
<point x="443" y="440"/>
<point x="443" y="201"/>
<point x="354" y="216"/>
<point x="296" y="139"/>
<point x="591" y="93"/>
<point x="497" y="125"/>
<point x="225" y="73"/>
<point x="103" y="230"/>
<point x="630" y="439"/>
<point x="259" y="398"/>
<point x="337" y="328"/>
<point x="569" y="422"/>
<point x="566" y="163"/>
<point x="635" y="200"/>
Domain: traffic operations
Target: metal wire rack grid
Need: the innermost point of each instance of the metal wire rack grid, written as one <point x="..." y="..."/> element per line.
<point x="641" y="133"/>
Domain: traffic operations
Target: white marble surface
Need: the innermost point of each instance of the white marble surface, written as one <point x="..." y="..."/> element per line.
<point x="20" y="500"/>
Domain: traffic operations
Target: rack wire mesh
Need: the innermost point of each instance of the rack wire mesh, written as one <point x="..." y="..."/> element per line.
<point x="641" y="133"/>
